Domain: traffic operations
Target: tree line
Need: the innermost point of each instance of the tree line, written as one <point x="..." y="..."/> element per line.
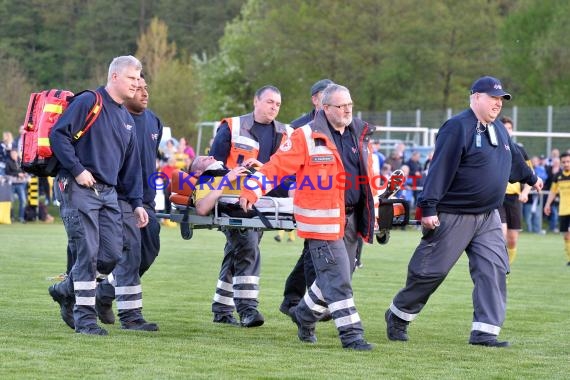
<point x="205" y="58"/>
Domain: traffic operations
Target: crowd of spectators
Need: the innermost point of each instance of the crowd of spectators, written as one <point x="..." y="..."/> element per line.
<point x="23" y="198"/>
<point x="535" y="220"/>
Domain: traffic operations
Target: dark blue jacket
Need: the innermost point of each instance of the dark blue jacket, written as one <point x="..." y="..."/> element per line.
<point x="108" y="150"/>
<point x="466" y="179"/>
<point x="149" y="133"/>
<point x="304" y="119"/>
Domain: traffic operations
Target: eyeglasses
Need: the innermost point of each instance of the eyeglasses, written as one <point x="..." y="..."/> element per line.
<point x="345" y="106"/>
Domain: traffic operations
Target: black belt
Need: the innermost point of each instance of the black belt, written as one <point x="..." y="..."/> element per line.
<point x="348" y="210"/>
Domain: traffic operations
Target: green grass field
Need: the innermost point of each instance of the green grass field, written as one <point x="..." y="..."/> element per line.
<point x="36" y="344"/>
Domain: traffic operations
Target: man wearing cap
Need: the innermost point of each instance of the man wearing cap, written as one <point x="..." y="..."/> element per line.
<point x="303" y="273"/>
<point x="316" y="96"/>
<point x="473" y="161"/>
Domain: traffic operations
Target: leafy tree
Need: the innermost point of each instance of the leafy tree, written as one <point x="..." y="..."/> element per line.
<point x="399" y="55"/>
<point x="227" y="88"/>
<point x="154" y="50"/>
<point x="534" y="40"/>
<point x="15" y="92"/>
<point x="19" y="32"/>
<point x="440" y="48"/>
<point x="101" y="35"/>
<point x="196" y="25"/>
<point x="174" y="92"/>
<point x="176" y="97"/>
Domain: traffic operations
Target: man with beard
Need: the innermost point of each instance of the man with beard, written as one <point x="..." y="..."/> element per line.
<point x="331" y="218"/>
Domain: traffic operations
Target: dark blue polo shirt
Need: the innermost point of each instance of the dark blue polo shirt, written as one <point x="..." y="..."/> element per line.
<point x="108" y="150"/>
<point x="348" y="150"/>
<point x="303" y="120"/>
<point x="149" y="133"/>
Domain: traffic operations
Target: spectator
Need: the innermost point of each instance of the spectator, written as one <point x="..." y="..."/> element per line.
<point x="385" y="174"/>
<point x="19" y="181"/>
<point x="168" y="170"/>
<point x="169" y="150"/>
<point x="395" y="160"/>
<point x="186" y="149"/>
<point x="5" y="147"/>
<point x="386" y="170"/>
<point x="554" y="153"/>
<point x="552" y="172"/>
<point x="8" y="142"/>
<point x="415" y="175"/>
<point x="532" y="209"/>
<point x="378" y="156"/>
<point x="407" y="192"/>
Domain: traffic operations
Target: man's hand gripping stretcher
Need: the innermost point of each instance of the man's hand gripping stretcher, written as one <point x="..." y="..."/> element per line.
<point x="206" y="204"/>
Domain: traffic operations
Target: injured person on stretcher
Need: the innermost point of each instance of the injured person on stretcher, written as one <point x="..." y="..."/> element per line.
<point x="207" y="197"/>
<point x="215" y="181"/>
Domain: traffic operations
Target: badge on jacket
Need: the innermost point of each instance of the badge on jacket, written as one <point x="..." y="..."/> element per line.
<point x="286" y="146"/>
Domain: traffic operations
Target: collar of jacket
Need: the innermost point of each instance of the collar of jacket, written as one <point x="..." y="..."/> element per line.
<point x="362" y="131"/>
<point x="247" y="122"/>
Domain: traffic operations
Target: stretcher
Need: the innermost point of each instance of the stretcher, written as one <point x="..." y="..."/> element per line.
<point x="274" y="214"/>
<point x="269" y="213"/>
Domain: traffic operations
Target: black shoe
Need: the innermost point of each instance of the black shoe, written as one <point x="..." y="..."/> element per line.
<point x="251" y="318"/>
<point x="396" y="328"/>
<point x="277" y="238"/>
<point x="92" y="330"/>
<point x="104" y="312"/>
<point x="491" y="343"/>
<point x="65" y="305"/>
<point x="359" y="345"/>
<point x="286" y="307"/>
<point x="327" y="317"/>
<point x="305" y="334"/>
<point x="139" y="325"/>
<point x="225" y="318"/>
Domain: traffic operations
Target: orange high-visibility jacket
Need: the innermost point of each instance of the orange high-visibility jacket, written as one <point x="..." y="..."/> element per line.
<point x="311" y="155"/>
<point x="243" y="144"/>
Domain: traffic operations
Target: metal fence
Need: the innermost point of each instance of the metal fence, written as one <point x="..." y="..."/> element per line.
<point x="539" y="129"/>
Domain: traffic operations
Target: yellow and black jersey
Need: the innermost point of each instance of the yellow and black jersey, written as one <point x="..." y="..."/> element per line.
<point x="561" y="186"/>
<point x="516" y="188"/>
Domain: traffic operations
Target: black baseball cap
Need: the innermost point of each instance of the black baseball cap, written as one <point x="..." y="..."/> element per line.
<point x="490" y="86"/>
<point x="320" y="86"/>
